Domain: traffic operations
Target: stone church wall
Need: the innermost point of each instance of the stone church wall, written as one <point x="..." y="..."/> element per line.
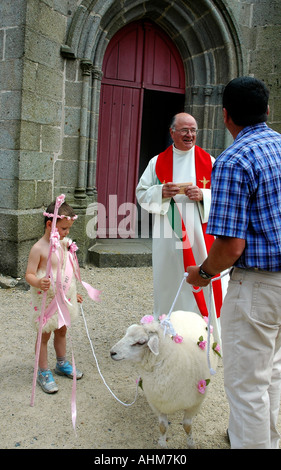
<point x="50" y="90"/>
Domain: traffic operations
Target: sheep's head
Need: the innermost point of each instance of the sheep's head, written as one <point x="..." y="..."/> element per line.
<point x="136" y="342"/>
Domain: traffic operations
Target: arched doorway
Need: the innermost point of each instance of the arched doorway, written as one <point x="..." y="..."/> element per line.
<point x="143" y="86"/>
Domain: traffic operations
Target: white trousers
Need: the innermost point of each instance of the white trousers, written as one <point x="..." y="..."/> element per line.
<point x="251" y="343"/>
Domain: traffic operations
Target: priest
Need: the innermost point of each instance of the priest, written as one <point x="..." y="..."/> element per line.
<point x="175" y="187"/>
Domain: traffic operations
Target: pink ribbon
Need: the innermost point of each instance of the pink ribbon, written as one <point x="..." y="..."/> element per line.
<point x="73" y="394"/>
<point x="94" y="294"/>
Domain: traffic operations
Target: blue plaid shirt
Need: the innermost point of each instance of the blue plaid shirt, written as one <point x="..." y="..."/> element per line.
<point x="246" y="196"/>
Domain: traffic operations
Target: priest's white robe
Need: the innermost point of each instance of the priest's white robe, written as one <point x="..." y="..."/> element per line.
<point x="167" y="255"/>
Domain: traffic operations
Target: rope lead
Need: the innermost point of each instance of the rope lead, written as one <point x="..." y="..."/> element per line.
<point x="93" y="351"/>
<point x="167" y="324"/>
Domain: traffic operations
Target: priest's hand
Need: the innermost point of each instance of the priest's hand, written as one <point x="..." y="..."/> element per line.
<point x="194" y="278"/>
<point x="194" y="193"/>
<point x="169" y="190"/>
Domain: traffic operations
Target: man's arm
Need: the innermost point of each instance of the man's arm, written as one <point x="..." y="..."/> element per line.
<point x="223" y="254"/>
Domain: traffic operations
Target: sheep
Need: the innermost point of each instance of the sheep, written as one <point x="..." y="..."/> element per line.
<point x="174" y="374"/>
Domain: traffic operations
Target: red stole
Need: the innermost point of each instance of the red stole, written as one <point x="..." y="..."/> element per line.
<point x="203" y="170"/>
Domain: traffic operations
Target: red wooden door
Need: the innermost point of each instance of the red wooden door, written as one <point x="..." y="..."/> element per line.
<point x="162" y="66"/>
<point x="139" y="56"/>
<point x="117" y="162"/>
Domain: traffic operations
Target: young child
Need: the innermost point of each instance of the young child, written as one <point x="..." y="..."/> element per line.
<point x="36" y="277"/>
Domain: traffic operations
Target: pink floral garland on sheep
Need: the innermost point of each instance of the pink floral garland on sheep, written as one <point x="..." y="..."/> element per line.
<point x="202" y="384"/>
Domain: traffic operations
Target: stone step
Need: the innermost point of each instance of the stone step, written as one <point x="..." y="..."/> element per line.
<point x="115" y="253"/>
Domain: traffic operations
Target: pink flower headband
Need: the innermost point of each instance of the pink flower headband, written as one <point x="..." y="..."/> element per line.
<point x="46" y="214"/>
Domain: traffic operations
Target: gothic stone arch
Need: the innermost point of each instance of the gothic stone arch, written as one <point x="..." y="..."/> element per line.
<point x="204" y="33"/>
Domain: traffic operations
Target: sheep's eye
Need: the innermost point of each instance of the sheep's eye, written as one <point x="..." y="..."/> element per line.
<point x="140" y="342"/>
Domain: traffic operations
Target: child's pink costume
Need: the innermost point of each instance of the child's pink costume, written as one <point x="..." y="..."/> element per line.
<point x="68" y="283"/>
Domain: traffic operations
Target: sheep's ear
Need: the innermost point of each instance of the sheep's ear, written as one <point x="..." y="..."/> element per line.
<point x="153" y="344"/>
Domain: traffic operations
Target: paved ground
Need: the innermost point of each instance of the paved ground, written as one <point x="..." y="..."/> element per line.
<point x="102" y="422"/>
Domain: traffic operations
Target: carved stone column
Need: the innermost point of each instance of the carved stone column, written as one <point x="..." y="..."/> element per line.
<point x="208" y="90"/>
<point x="97" y="78"/>
<point x="80" y="191"/>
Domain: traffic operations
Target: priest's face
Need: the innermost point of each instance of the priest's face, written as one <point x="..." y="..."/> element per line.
<point x="184" y="132"/>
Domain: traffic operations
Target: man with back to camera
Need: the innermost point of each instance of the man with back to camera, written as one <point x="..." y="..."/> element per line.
<point x="245" y="216"/>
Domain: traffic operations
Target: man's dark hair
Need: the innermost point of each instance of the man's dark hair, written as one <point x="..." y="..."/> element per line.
<point x="246" y="100"/>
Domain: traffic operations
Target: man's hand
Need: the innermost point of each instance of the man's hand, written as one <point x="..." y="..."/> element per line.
<point x="222" y="255"/>
<point x="194" y="278"/>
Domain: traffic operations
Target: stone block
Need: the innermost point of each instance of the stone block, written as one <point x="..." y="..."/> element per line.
<point x="50" y="23"/>
<point x="10" y="105"/>
<point x="36" y="166"/>
<point x="9" y="257"/>
<point x="78" y="233"/>
<point x="266" y="35"/>
<point x="2" y="41"/>
<point x="30" y="136"/>
<point x="10" y="134"/>
<point x="42" y="50"/>
<point x="13" y="261"/>
<point x="8" y="225"/>
<point x="30" y="225"/>
<point x="261" y="62"/>
<point x="26" y="194"/>
<point x="20" y="225"/>
<point x="43" y="80"/>
<point x="121" y="253"/>
<point x="49" y="82"/>
<point x="40" y="109"/>
<point x="72" y="121"/>
<point x="275" y="110"/>
<point x="29" y="75"/>
<point x="14" y="43"/>
<point x="43" y="194"/>
<point x="8" y="193"/>
<point x="12" y="13"/>
<point x="71" y="70"/>
<point x="73" y="93"/>
<point x="51" y="138"/>
<point x="218" y="142"/>
<point x="64" y="7"/>
<point x="244" y="12"/>
<point x="66" y="174"/>
<point x="11" y="73"/>
<point x="265" y="13"/>
<point x="70" y="148"/>
<point x="42" y="17"/>
<point x="9" y="164"/>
